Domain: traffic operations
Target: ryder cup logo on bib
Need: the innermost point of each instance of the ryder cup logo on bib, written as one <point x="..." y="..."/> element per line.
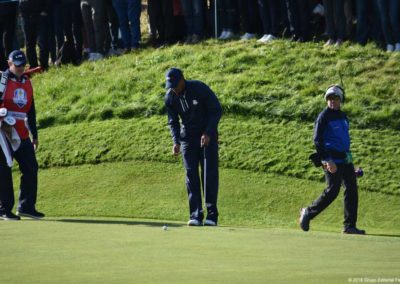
<point x="20" y="98"/>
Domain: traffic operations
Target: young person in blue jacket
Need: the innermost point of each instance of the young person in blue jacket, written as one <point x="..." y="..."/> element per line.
<point x="332" y="141"/>
<point x="193" y="116"/>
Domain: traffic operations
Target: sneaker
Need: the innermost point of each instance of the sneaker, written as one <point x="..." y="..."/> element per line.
<point x="113" y="52"/>
<point x="229" y="35"/>
<point x="338" y="43"/>
<point x="267" y="38"/>
<point x="263" y="38"/>
<point x="94" y="56"/>
<point x="389" y="48"/>
<point x="247" y="36"/>
<point x="195" y="39"/>
<point x="223" y="34"/>
<point x="30" y="214"/>
<point x="397" y="47"/>
<point x="304" y="220"/>
<point x="188" y="39"/>
<point x="194" y="222"/>
<point x="209" y="222"/>
<point x="353" y="231"/>
<point x="271" y="38"/>
<point x="9" y="216"/>
<point x="329" y="42"/>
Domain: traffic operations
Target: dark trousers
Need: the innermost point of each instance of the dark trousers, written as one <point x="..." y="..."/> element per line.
<point x="111" y="27"/>
<point x="25" y="156"/>
<point x="389" y="15"/>
<point x="270" y="12"/>
<point x="161" y="16"/>
<point x="193" y="156"/>
<point x="250" y="16"/>
<point x="227" y="10"/>
<point x="36" y="31"/>
<point x="94" y="18"/>
<point x="368" y="25"/>
<point x="345" y="174"/>
<point x="68" y="23"/>
<point x="128" y="12"/>
<point x="7" y="32"/>
<point x="299" y="17"/>
<point x="335" y="19"/>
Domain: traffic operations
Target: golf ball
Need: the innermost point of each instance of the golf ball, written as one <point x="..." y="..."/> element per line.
<point x="165" y="227"/>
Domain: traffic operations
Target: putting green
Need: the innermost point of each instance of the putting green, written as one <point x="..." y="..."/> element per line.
<point x="87" y="250"/>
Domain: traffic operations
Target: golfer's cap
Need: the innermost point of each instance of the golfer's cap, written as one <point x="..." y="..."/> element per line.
<point x="334" y="90"/>
<point x="17" y="57"/>
<point x="172" y="78"/>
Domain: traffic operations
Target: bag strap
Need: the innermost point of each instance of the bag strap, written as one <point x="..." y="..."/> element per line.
<point x="3" y="85"/>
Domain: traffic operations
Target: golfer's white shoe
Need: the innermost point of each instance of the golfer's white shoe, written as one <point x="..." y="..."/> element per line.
<point x="194" y="222"/>
<point x="210" y="223"/>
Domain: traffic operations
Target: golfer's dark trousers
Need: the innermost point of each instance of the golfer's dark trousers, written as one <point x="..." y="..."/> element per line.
<point x="25" y="156"/>
<point x="193" y="156"/>
<point x="345" y="174"/>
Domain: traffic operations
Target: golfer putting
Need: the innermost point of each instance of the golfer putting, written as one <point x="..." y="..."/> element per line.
<point x="193" y="116"/>
<point x="332" y="142"/>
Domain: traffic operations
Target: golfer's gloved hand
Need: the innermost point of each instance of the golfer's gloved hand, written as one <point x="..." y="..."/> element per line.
<point x="205" y="140"/>
<point x="330" y="166"/>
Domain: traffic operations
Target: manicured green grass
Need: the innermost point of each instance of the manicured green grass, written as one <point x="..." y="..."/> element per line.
<point x="103" y="250"/>
<point x="157" y="191"/>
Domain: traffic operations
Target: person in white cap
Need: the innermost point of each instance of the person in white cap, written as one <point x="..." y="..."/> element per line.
<point x="332" y="141"/>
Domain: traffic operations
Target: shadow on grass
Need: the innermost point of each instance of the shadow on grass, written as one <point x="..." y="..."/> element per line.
<point x="384" y="235"/>
<point x="122" y="222"/>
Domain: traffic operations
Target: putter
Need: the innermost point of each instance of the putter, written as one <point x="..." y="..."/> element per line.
<point x="205" y="177"/>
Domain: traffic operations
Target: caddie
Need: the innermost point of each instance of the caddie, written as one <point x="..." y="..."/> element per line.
<point x="332" y="142"/>
<point x="16" y="95"/>
<point x="193" y="116"/>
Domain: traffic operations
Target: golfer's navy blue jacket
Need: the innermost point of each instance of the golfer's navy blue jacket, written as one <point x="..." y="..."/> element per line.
<point x="198" y="108"/>
<point x="331" y="134"/>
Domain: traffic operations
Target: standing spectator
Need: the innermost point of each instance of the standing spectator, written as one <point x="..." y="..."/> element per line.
<point x="299" y="17"/>
<point x="368" y="24"/>
<point x="68" y="29"/>
<point x="335" y="21"/>
<point x="389" y="16"/>
<point x="227" y="15"/>
<point x="270" y="12"/>
<point x="112" y="30"/>
<point x="161" y="16"/>
<point x="18" y="100"/>
<point x="194" y="19"/>
<point x="199" y="111"/>
<point x="128" y="12"/>
<point x="332" y="141"/>
<point x="349" y="15"/>
<point x="250" y="18"/>
<point x="35" y="22"/>
<point x="94" y="18"/>
<point x="8" y="19"/>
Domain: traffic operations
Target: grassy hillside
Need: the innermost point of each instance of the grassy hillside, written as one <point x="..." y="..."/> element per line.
<point x="113" y="110"/>
<point x="283" y="80"/>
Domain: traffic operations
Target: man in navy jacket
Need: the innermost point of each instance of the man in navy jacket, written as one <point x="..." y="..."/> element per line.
<point x="332" y="141"/>
<point x="193" y="116"/>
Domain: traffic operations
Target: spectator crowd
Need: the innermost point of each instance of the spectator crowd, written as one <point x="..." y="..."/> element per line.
<point x="70" y="31"/>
